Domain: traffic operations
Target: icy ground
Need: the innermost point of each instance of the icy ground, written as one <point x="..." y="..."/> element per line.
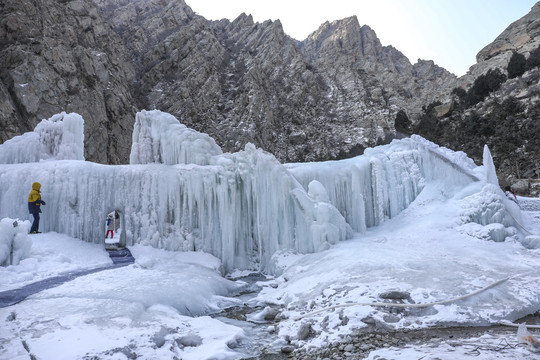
<point x="158" y="307"/>
<point x="419" y="253"/>
<point x="116" y="313"/>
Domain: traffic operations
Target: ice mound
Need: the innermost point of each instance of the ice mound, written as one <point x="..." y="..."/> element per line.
<point x="15" y="244"/>
<point x="59" y="138"/>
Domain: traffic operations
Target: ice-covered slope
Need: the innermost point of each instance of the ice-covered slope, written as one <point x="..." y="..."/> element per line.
<point x="240" y="207"/>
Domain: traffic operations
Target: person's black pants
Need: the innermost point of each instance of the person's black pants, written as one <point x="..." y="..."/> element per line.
<point x="35" y="224"/>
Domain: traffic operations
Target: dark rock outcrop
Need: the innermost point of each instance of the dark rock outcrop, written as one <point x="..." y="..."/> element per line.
<point x="489" y="107"/>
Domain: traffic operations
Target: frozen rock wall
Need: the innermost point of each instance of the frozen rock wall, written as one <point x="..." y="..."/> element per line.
<point x="378" y="185"/>
<point x="240" y="207"/>
<point x="232" y="209"/>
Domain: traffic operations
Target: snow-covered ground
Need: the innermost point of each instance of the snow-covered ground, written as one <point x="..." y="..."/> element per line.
<point x="155" y="308"/>
<point x="159" y="306"/>
<point x="425" y="253"/>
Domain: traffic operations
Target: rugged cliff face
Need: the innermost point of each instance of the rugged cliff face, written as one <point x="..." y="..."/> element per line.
<point x="496" y="103"/>
<point x="61" y="56"/>
<point x="326" y="97"/>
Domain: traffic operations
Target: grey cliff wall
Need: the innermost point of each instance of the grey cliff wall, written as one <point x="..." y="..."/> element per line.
<point x="60" y="56"/>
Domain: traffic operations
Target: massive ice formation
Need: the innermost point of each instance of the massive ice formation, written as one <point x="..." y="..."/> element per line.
<point x="158" y="137"/>
<point x="59" y="138"/>
<point x="240" y="207"/>
<point x="182" y="193"/>
<point x="378" y="185"/>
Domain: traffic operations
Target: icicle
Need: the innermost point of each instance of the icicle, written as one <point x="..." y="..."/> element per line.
<point x="491" y="174"/>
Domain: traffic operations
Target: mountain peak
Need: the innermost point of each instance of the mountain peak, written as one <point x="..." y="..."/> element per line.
<point x="243" y="20"/>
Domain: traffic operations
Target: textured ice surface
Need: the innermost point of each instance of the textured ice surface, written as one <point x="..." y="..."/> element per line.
<point x="59" y="138"/>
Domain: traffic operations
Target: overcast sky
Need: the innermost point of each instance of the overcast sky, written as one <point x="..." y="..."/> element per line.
<point x="450" y="32"/>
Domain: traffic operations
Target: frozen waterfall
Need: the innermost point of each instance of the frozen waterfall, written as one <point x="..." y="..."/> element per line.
<point x="180" y="191"/>
<point x="381" y="183"/>
<point x="240" y="207"/>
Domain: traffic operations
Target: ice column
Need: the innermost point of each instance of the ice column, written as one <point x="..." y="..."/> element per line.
<point x="489" y="166"/>
<point x="15" y="243"/>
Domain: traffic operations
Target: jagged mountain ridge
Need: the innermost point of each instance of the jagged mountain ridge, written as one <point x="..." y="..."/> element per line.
<point x="252" y="83"/>
<point x="326" y="97"/>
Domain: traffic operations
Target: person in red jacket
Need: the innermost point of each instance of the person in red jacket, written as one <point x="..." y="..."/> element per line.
<point x="110" y="226"/>
<point x="34" y="206"/>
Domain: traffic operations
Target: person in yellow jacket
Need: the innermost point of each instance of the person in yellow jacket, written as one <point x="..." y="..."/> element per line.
<point x="34" y="206"/>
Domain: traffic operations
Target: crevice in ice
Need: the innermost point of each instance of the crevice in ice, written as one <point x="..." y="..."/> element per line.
<point x="114" y="234"/>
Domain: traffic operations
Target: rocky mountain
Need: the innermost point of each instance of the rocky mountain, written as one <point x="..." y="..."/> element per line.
<point x="326" y="97"/>
<point x="61" y="56"/>
<point x="496" y="103"/>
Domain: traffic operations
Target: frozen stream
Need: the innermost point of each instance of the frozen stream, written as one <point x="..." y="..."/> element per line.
<point x="261" y="340"/>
